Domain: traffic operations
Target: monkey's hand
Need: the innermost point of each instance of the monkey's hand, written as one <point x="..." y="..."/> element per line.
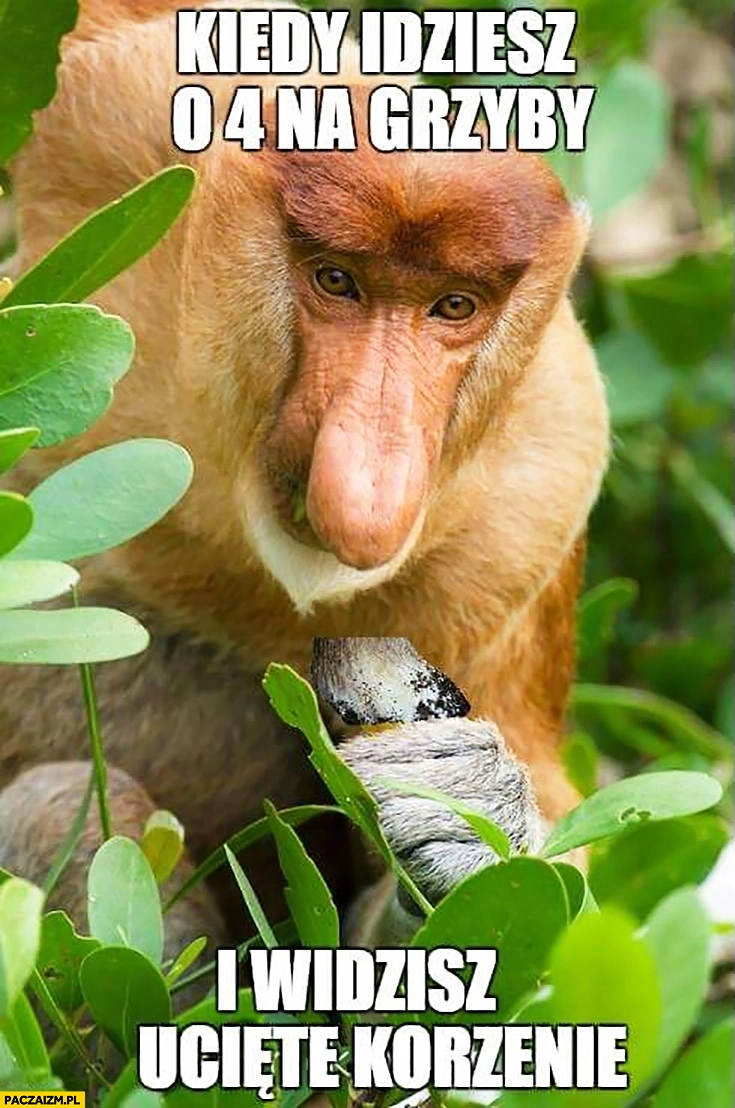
<point x="467" y="760"/>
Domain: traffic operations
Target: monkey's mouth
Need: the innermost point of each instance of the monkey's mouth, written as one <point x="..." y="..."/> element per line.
<point x="288" y="495"/>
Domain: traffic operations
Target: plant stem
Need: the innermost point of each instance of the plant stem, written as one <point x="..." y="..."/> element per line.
<point x="95" y="742"/>
<point x="67" y="1030"/>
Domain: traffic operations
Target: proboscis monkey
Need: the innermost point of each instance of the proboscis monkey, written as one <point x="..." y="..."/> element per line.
<point x="397" y="426"/>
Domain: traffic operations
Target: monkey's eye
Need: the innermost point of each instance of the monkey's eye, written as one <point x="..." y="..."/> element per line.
<point x="336" y="282"/>
<point x="454" y="307"/>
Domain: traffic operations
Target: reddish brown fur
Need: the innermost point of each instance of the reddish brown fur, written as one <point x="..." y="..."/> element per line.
<point x="515" y="417"/>
<point x="483" y="217"/>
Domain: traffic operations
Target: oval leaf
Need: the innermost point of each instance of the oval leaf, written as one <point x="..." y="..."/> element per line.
<point x="639" y="868"/>
<point x="14" y="443"/>
<point x="123" y="905"/>
<point x="651" y="796"/>
<point x="703" y="1075"/>
<point x="601" y="972"/>
<point x="518" y="907"/>
<point x="58" y="365"/>
<point x="107" y="242"/>
<point x="629" y="140"/>
<point x="679" y="934"/>
<point x="105" y="498"/>
<point x="20" y="934"/>
<point x="16" y="520"/>
<point x="70" y="635"/>
<point x="123" y="989"/>
<point x="24" y="583"/>
<point x="162" y="843"/>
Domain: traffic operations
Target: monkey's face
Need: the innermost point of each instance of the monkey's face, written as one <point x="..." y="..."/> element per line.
<point x="407" y="293"/>
<point x="403" y="272"/>
<point x="382" y="349"/>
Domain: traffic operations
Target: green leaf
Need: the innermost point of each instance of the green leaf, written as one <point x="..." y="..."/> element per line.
<point x="29" y="54"/>
<point x="679" y="934"/>
<point x="163" y="843"/>
<point x="575" y="886"/>
<point x="122" y="899"/>
<point x="251" y="901"/>
<point x="14" y="443"/>
<point x="105" y="498"/>
<point x="639" y="385"/>
<point x="123" y="989"/>
<point x="518" y="907"/>
<point x="307" y="893"/>
<point x="31" y="1080"/>
<point x="580" y="758"/>
<point x="651" y="796"/>
<point x="20" y="933"/>
<point x="726" y="708"/>
<point x="24" y="1042"/>
<point x="253" y="833"/>
<point x="58" y="365"/>
<point x="24" y="583"/>
<point x="107" y="242"/>
<point x="60" y="956"/>
<point x="703" y="1075"/>
<point x="713" y="505"/>
<point x="627" y="141"/>
<point x="294" y="702"/>
<point x="686" y="310"/>
<point x="486" y="829"/>
<point x="684" y="728"/>
<point x="69" y="636"/>
<point x="16" y="520"/>
<point x="186" y="958"/>
<point x="597" y="617"/>
<point x="143" y="1098"/>
<point x="601" y="972"/>
<point x="639" y="868"/>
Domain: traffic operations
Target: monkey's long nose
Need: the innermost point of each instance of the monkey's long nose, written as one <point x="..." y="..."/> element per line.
<point x="368" y="481"/>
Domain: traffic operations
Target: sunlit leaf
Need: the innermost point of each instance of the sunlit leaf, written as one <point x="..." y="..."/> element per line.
<point x="16" y="520"/>
<point x="628" y="136"/>
<point x="69" y="635"/>
<point x="649" y="797"/>
<point x="123" y="904"/>
<point x="14" y="443"/>
<point x="24" y="583"/>
<point x="20" y="934"/>
<point x="58" y="365"/>
<point x="162" y="843"/>
<point x="105" y="498"/>
<point x="107" y="242"/>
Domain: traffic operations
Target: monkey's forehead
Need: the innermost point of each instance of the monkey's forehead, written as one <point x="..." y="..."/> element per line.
<point x="475" y="213"/>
